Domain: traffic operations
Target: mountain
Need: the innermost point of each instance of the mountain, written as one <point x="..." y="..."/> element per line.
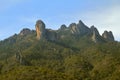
<point x="79" y="30"/>
<point x="74" y="52"/>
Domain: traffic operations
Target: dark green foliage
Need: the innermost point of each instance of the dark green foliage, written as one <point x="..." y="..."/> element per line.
<point x="69" y="58"/>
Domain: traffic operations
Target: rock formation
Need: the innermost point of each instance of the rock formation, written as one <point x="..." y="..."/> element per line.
<point x="40" y="29"/>
<point x="83" y="29"/>
<point x="19" y="57"/>
<point x="45" y="33"/>
<point x="79" y="28"/>
<point x="51" y="35"/>
<point x="95" y="34"/>
<point x="73" y="28"/>
<point x="25" y="31"/>
<point x="63" y="27"/>
<point x="108" y="35"/>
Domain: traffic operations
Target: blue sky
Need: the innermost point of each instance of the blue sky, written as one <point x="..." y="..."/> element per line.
<point x="18" y="14"/>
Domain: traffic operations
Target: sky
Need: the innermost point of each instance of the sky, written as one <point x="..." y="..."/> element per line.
<point x="18" y="14"/>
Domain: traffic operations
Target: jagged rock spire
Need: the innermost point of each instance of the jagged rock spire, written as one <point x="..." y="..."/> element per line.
<point x="73" y="28"/>
<point x="83" y="29"/>
<point x="40" y="29"/>
<point x="81" y="23"/>
<point x="95" y="34"/>
<point x="79" y="29"/>
<point x="94" y="29"/>
<point x="63" y="27"/>
<point x="108" y="35"/>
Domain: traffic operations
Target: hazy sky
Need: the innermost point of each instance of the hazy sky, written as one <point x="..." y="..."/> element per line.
<point x="18" y="14"/>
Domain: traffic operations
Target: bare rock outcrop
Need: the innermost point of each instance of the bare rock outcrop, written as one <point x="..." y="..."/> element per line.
<point x="80" y="28"/>
<point x="20" y="58"/>
<point x="63" y="27"/>
<point x="40" y="29"/>
<point x="95" y="34"/>
<point x="51" y="35"/>
<point x="25" y="31"/>
<point x="108" y="35"/>
<point x="83" y="29"/>
<point x="73" y="28"/>
<point x="45" y="33"/>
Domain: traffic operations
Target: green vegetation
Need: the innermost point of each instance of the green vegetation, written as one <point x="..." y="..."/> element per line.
<point x="72" y="58"/>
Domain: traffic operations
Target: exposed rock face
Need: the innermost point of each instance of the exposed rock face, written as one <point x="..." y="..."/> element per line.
<point x="25" y="31"/>
<point x="94" y="29"/>
<point x="108" y="35"/>
<point x="95" y="34"/>
<point x="79" y="28"/>
<point x="40" y="29"/>
<point x="51" y="35"/>
<point x="63" y="27"/>
<point x="73" y="28"/>
<point x="19" y="57"/>
<point x="83" y="28"/>
<point x="45" y="33"/>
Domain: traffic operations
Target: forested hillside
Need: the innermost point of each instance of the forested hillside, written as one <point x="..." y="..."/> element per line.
<point x="76" y="52"/>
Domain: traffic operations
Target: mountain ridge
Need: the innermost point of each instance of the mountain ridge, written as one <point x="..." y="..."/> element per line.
<point x="76" y="29"/>
<point x="71" y="52"/>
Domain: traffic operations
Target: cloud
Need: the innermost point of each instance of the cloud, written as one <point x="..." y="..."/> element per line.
<point x="106" y="19"/>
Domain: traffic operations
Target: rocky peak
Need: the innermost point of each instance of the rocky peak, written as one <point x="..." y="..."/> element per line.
<point x="63" y="27"/>
<point x="51" y="35"/>
<point x="83" y="29"/>
<point x="73" y="28"/>
<point x="81" y="23"/>
<point x="25" y="31"/>
<point x="79" y="29"/>
<point x="40" y="29"/>
<point x="108" y="35"/>
<point x="94" y="30"/>
<point x="95" y="34"/>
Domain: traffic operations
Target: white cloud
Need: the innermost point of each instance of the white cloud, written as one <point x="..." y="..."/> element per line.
<point x="105" y="19"/>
